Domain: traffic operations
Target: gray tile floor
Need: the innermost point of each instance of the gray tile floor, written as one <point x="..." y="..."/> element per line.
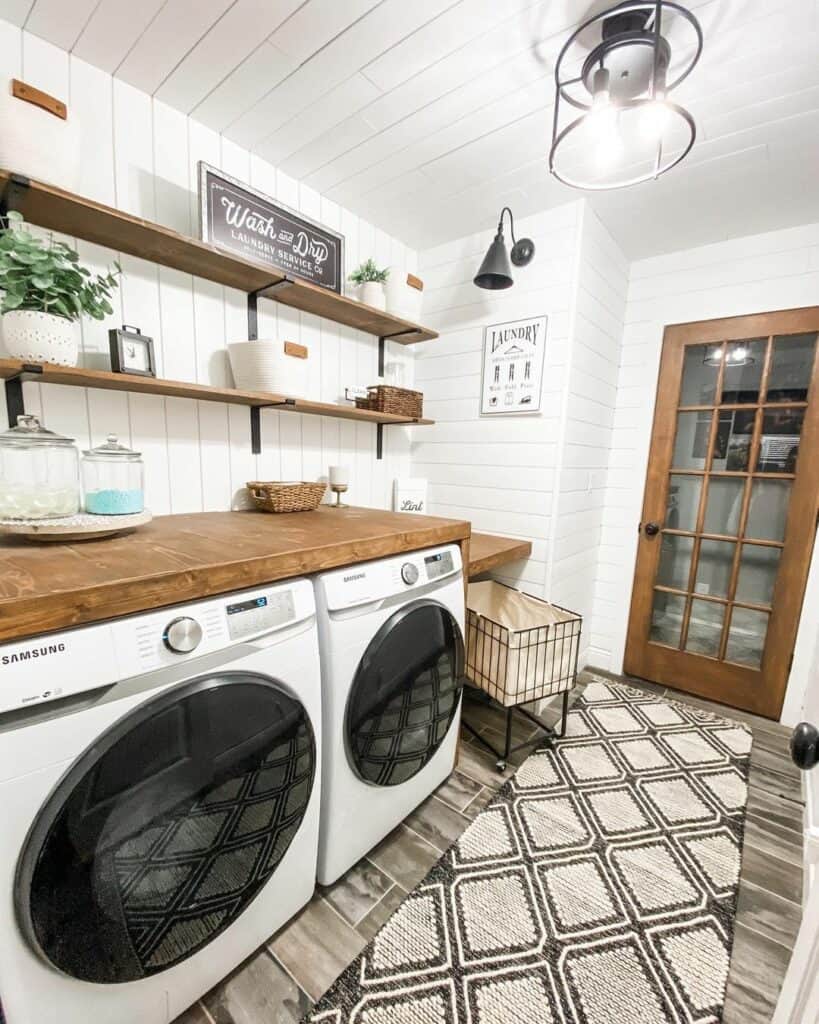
<point x="278" y="984"/>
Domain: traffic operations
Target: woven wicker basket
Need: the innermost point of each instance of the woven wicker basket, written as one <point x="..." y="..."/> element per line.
<point x="397" y="401"/>
<point x="298" y="496"/>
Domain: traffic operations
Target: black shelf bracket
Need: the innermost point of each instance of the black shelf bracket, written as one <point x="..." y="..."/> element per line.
<point x="253" y="305"/>
<point x="15" y="405"/>
<point x="382" y="347"/>
<point x="12" y="196"/>
<point x="256" y="422"/>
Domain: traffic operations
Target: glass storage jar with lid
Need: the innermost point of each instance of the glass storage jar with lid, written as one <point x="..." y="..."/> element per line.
<point x="39" y="472"/>
<point x="112" y="479"/>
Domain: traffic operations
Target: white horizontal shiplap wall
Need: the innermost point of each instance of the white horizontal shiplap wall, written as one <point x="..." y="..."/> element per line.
<point x="499" y="472"/>
<point x="140" y="156"/>
<point x="596" y="335"/>
<point x="775" y="270"/>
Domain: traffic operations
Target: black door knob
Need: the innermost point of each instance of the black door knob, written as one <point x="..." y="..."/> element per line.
<point x="651" y="529"/>
<point x="805" y="746"/>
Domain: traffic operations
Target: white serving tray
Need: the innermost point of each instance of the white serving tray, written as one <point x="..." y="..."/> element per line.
<point x="82" y="526"/>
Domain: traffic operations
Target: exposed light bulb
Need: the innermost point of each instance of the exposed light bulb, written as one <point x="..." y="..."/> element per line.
<point x="739" y="355"/>
<point x="654" y="118"/>
<point x="604" y="123"/>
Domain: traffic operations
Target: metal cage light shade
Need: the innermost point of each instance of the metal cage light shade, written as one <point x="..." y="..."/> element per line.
<point x="495" y="272"/>
<point x="614" y="124"/>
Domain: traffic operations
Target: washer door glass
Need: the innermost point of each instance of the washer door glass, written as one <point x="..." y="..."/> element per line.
<point x="405" y="694"/>
<point x="166" y="829"/>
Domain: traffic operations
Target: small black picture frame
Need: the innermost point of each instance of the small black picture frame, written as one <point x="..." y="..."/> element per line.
<point x="132" y="351"/>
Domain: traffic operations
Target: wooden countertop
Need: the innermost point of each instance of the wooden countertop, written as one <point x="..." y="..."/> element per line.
<point x="488" y="552"/>
<point x="49" y="587"/>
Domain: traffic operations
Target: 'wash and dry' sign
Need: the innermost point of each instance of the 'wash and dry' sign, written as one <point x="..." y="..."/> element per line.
<point x="240" y="220"/>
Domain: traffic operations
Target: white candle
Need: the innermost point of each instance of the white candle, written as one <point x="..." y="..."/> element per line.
<point x="339" y="475"/>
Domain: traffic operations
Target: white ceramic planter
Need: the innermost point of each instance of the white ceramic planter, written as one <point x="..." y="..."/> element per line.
<point x="40" y="337"/>
<point x="37" y="144"/>
<point x="372" y="293"/>
<point x="264" y="366"/>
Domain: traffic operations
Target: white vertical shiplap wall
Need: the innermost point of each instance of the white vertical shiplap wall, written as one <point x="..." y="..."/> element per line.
<point x="140" y="156"/>
<point x="499" y="471"/>
<point x="775" y="270"/>
<point x="587" y="421"/>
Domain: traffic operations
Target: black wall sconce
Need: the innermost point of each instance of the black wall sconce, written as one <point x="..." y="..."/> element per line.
<point x="495" y="272"/>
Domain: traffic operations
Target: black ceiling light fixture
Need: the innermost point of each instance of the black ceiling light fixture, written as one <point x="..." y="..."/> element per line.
<point x="618" y="69"/>
<point x="495" y="272"/>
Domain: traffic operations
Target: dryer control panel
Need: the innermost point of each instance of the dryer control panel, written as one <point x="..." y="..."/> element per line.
<point x="388" y="577"/>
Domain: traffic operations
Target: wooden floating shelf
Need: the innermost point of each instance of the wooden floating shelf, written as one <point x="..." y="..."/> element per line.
<point x="71" y="214"/>
<point x="50" y="373"/>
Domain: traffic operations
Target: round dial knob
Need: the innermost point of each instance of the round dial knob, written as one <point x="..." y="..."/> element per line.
<point x="409" y="573"/>
<point x="182" y="635"/>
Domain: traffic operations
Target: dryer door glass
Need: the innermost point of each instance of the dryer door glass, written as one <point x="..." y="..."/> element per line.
<point x="163" y="832"/>
<point x="405" y="694"/>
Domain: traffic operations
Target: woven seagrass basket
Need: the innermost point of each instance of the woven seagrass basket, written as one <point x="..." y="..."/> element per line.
<point x="296" y="496"/>
<point x="398" y="401"/>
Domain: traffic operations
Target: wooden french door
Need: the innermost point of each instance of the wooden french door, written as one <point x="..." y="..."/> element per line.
<point x="730" y="508"/>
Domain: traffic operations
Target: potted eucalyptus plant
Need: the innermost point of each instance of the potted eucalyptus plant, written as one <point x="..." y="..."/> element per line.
<point x="46" y="291"/>
<point x="370" y="282"/>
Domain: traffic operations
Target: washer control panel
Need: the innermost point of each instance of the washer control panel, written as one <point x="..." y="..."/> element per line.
<point x="244" y="618"/>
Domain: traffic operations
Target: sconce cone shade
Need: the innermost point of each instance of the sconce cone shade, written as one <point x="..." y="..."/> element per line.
<point x="495" y="272"/>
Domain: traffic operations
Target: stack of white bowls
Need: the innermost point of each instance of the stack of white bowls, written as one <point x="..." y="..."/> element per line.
<point x="265" y="366"/>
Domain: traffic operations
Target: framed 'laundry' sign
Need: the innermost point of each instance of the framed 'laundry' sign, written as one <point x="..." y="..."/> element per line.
<point x="241" y="220"/>
<point x="512" y="371"/>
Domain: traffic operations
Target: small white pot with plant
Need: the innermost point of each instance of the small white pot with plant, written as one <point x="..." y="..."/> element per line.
<point x="370" y="282"/>
<point x="46" y="292"/>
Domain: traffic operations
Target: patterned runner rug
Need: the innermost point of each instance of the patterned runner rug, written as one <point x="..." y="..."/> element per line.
<point x="598" y="887"/>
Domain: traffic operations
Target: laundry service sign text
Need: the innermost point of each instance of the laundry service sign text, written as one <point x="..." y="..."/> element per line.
<point x="239" y="219"/>
<point x="512" y="372"/>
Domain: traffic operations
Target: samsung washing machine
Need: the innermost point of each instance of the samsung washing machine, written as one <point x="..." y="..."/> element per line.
<point x="159" y="784"/>
<point x="391" y="640"/>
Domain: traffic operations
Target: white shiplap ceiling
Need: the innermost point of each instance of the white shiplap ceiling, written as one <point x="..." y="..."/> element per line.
<point x="426" y="116"/>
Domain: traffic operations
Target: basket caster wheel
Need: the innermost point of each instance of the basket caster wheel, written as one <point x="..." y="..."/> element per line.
<point x="500" y="766"/>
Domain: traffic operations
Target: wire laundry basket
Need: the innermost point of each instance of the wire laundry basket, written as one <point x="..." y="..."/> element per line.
<point x="519" y="648"/>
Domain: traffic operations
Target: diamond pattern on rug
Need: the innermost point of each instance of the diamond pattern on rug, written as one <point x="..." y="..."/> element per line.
<point x="412" y="940"/>
<point x="553" y="823"/>
<point x="523" y="998"/>
<point x="718" y="857"/>
<point x="497" y="914"/>
<point x="655" y="878"/>
<point x="728" y="787"/>
<point x="597" y="692"/>
<point x="643" y="755"/>
<point x="660" y="714"/>
<point x="697" y="959"/>
<point x="692" y="748"/>
<point x="616" y="984"/>
<point x="677" y="800"/>
<point x="598" y="886"/>
<point x="616" y="720"/>
<point x="579" y="898"/>
<point x="538" y="772"/>
<point x="738" y="741"/>
<point x="591" y="762"/>
<point x="425" y="1008"/>
<point x="489" y="837"/>
<point x="617" y="812"/>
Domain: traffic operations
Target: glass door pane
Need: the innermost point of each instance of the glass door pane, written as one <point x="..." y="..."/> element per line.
<point x="734" y="438"/>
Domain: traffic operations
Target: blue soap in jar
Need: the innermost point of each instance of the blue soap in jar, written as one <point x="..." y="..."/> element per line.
<point x="112" y="476"/>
